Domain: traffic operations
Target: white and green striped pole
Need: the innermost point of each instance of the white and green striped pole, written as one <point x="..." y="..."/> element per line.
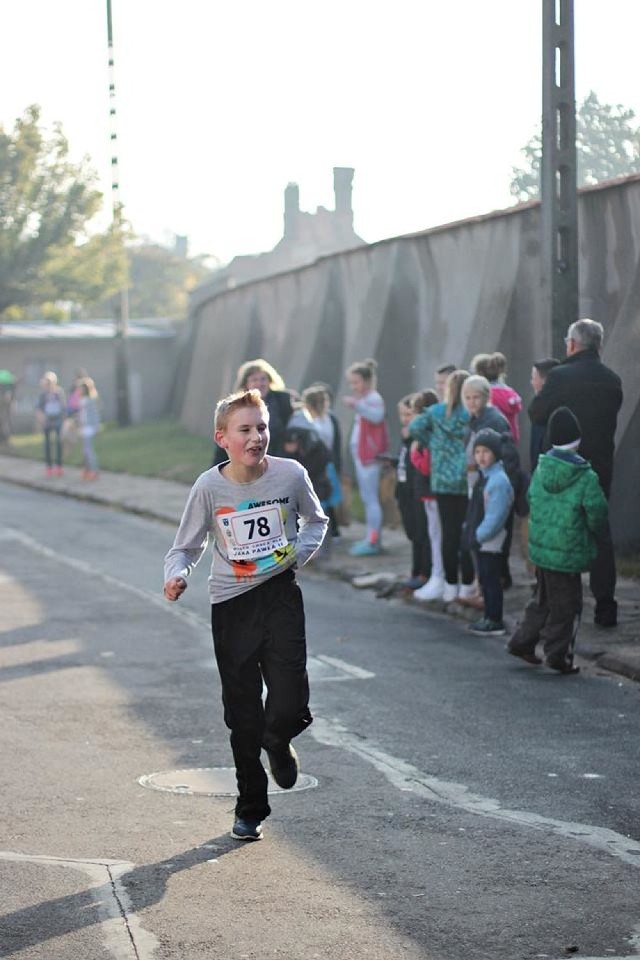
<point x="121" y="331"/>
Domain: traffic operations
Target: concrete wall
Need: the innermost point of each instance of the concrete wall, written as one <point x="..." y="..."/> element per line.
<point x="415" y="302"/>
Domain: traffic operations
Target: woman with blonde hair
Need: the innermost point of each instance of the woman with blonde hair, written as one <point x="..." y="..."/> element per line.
<point x="260" y="375"/>
<point x="441" y="428"/>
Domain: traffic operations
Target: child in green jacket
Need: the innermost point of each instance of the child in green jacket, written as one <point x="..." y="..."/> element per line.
<point x="568" y="509"/>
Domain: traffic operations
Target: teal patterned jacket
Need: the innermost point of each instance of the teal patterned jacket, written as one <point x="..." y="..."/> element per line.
<point x="444" y="436"/>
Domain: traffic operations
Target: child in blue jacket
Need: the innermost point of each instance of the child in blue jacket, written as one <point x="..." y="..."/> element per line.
<point x="487" y="514"/>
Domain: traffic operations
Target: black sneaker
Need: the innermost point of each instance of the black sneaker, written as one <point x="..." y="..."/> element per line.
<point x="607" y="617"/>
<point x="531" y="658"/>
<point x="488" y="628"/>
<point x="246" y="829"/>
<point x="561" y="666"/>
<point x="284" y="765"/>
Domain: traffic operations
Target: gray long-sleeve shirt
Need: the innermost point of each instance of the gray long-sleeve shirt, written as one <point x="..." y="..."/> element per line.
<point x="254" y="527"/>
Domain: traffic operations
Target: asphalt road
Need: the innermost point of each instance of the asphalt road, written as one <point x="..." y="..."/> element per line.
<point x="466" y="806"/>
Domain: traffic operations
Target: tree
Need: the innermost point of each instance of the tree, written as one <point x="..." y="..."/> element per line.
<point x="160" y="282"/>
<point x="46" y="203"/>
<point x="607" y="146"/>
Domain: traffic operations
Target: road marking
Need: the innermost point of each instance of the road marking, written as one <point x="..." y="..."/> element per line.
<point x="346" y="671"/>
<point x="124" y="936"/>
<point x="87" y="568"/>
<point x="404" y="776"/>
<point x="400" y="774"/>
<point x="348" y="668"/>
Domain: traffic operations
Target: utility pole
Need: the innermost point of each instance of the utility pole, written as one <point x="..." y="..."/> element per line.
<point x="559" y="215"/>
<point x="121" y="331"/>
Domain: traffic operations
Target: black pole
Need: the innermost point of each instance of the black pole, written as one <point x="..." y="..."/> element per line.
<point x="559" y="214"/>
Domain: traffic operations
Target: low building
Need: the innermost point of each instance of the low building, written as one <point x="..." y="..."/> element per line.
<point x="29" y="349"/>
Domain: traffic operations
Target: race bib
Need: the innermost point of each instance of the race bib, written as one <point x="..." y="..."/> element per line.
<point x="250" y="534"/>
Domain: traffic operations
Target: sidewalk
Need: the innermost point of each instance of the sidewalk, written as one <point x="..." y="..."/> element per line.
<point x="617" y="650"/>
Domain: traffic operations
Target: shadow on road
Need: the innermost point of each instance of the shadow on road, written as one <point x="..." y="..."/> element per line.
<point x="145" y="885"/>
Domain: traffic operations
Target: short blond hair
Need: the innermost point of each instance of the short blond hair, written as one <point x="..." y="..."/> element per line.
<point x="477" y="382"/>
<point x="236" y="401"/>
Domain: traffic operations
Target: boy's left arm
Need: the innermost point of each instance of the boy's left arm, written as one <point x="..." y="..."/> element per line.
<point x="496" y="511"/>
<point x="595" y="505"/>
<point x="313" y="521"/>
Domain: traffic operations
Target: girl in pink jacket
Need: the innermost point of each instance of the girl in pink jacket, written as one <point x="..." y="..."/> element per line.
<point x="493" y="366"/>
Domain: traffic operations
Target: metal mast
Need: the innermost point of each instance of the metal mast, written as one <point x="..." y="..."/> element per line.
<point x="559" y="215"/>
<point x="121" y="333"/>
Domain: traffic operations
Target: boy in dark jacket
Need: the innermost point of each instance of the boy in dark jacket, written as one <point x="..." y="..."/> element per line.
<point x="568" y="509"/>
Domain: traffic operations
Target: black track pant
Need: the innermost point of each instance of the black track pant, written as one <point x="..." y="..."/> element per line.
<point x="453" y="510"/>
<point x="260" y="635"/>
<point x="552" y="617"/>
<point x="602" y="578"/>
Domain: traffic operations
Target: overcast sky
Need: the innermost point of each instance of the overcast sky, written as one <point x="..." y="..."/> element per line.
<point x="220" y="104"/>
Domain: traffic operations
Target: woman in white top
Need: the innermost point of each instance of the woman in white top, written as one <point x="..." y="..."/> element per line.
<point x="369" y="440"/>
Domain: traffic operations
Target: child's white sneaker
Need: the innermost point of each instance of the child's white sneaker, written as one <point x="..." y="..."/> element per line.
<point x="450" y="592"/>
<point x="432" y="590"/>
<point x="468" y="590"/>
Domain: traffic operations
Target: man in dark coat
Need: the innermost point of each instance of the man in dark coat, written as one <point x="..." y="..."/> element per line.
<point x="593" y="393"/>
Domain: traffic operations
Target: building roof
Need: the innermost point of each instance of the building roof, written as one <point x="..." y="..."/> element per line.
<point x="84" y="330"/>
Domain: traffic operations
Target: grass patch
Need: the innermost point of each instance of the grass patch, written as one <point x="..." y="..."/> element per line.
<point x="629" y="566"/>
<point x="158" y="448"/>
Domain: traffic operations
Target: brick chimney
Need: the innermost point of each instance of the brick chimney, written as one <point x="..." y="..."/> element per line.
<point x="291" y="210"/>
<point x="342" y="189"/>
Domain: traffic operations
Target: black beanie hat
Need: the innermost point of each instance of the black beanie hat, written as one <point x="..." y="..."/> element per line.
<point x="563" y="428"/>
<point x="491" y="439"/>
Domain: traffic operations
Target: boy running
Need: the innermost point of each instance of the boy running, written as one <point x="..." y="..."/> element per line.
<point x="251" y="506"/>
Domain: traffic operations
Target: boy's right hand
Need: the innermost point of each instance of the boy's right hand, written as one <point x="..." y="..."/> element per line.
<point x="174" y="588"/>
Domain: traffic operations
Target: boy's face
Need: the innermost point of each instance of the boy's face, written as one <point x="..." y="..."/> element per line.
<point x="441" y="383"/>
<point x="474" y="400"/>
<point x="537" y="381"/>
<point x="405" y="414"/>
<point x="484" y="457"/>
<point x="246" y="436"/>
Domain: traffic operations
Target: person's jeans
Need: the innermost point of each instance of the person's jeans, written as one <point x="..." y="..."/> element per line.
<point x="48" y="445"/>
<point x="490" y="577"/>
<point x="368" y="476"/>
<point x="90" y="459"/>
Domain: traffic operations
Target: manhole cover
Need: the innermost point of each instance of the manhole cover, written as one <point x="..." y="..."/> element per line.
<point x="211" y="782"/>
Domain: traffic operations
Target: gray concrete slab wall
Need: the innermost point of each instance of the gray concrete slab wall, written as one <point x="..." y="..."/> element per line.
<point x="418" y="301"/>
